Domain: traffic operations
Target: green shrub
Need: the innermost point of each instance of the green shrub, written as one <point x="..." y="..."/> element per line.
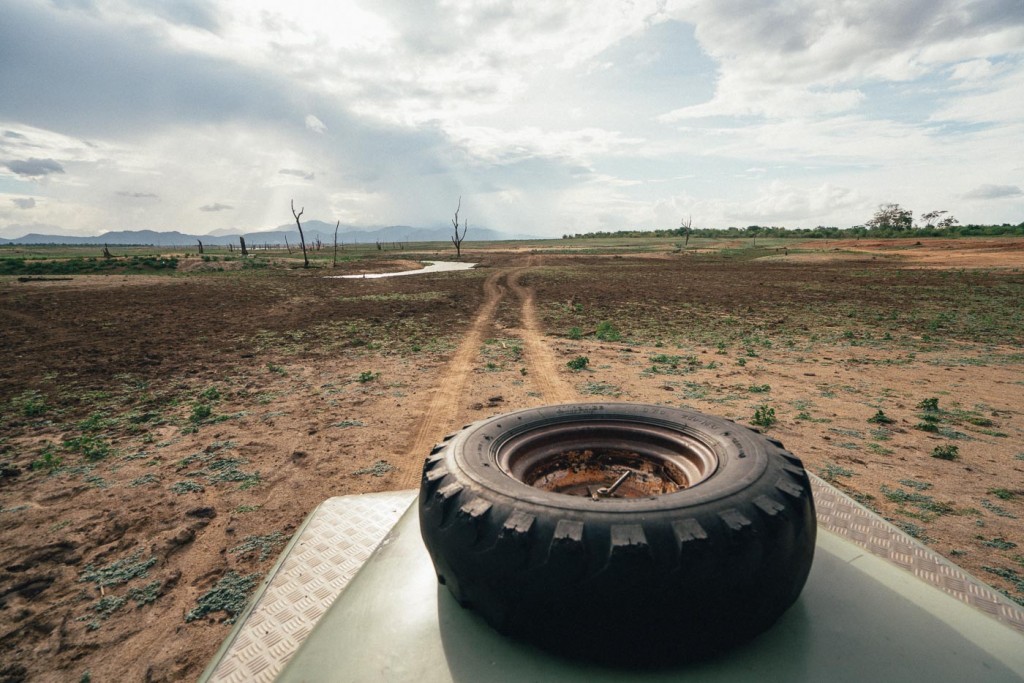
<point x="764" y="416"/>
<point x="91" y="447"/>
<point x="946" y="452"/>
<point x="880" y="418"/>
<point x="607" y="332"/>
<point x="578" y="363"/>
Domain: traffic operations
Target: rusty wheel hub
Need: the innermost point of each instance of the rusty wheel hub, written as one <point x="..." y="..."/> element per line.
<point x="607" y="460"/>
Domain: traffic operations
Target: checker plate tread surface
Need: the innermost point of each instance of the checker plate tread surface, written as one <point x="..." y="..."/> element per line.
<point x="339" y="536"/>
<point x="342" y="533"/>
<point x="841" y="515"/>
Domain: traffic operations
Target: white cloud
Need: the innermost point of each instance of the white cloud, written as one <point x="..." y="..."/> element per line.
<point x="24" y="202"/>
<point x="314" y="124"/>
<point x="543" y="117"/>
<point x="994" y="192"/>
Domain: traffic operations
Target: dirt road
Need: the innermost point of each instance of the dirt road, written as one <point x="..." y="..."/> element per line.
<point x="442" y="413"/>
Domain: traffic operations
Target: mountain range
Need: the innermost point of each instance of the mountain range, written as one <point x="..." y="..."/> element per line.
<point x="347" y="234"/>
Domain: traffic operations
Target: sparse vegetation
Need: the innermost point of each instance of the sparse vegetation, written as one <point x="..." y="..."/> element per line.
<point x="264" y="544"/>
<point x="377" y="469"/>
<point x="109" y="400"/>
<point x="764" y="416"/>
<point x="946" y="452"/>
<point x="119" y="571"/>
<point x="578" y="363"/>
<point x="880" y="418"/>
<point x="229" y="595"/>
<point x="606" y="331"/>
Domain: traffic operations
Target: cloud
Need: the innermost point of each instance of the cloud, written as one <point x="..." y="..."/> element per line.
<point x="14" y="135"/>
<point x="809" y="57"/>
<point x="994" y="192"/>
<point x="33" y="167"/>
<point x="305" y="175"/>
<point x="216" y="207"/>
<point x="91" y="89"/>
<point x="314" y="124"/>
<point x="24" y="202"/>
<point x="138" y="195"/>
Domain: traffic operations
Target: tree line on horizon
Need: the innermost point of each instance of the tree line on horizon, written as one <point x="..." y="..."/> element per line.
<point x="891" y="220"/>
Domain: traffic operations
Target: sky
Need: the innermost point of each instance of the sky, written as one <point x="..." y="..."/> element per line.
<point x="210" y="117"/>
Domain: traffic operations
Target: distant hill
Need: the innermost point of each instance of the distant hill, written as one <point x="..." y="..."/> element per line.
<point x="347" y="234"/>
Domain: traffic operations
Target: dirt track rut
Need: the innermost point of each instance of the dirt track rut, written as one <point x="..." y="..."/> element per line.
<point x="441" y="414"/>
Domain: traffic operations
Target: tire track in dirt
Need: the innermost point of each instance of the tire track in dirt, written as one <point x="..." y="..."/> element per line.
<point x="444" y="406"/>
<point x="542" y="366"/>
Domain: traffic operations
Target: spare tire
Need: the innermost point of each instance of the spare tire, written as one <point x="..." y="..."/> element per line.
<point x="619" y="532"/>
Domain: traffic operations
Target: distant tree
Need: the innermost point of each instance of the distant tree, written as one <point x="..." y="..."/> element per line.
<point x="939" y="219"/>
<point x="336" y="225"/>
<point x="302" y="238"/>
<point x="685" y="228"/>
<point x="891" y="217"/>
<point x="456" y="238"/>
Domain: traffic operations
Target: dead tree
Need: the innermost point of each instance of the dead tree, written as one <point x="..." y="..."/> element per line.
<point x="335" y="264"/>
<point x="686" y="227"/>
<point x="302" y="238"/>
<point x="286" y="245"/>
<point x="378" y="245"/>
<point x="456" y="238"/>
<point x="241" y="240"/>
<point x="106" y="252"/>
<point x="200" y="246"/>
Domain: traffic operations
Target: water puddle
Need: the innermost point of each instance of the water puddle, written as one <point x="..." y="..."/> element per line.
<point x="432" y="267"/>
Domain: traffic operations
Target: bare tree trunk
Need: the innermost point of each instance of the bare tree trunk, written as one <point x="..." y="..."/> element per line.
<point x="302" y="237"/>
<point x="286" y="245"/>
<point x="456" y="239"/>
<point x="200" y="246"/>
<point x="106" y="252"/>
<point x="241" y="240"/>
<point x="335" y="264"/>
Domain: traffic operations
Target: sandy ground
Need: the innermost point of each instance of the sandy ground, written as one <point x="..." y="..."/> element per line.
<point x="195" y="499"/>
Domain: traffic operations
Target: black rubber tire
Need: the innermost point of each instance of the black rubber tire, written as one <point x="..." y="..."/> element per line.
<point x="637" y="581"/>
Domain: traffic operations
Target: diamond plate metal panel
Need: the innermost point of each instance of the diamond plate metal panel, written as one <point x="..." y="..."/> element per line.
<point x="342" y="533"/>
<point x="338" y="537"/>
<point x="841" y="515"/>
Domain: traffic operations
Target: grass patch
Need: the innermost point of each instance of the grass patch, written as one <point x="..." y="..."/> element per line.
<point x="997" y="510"/>
<point x="601" y="389"/>
<point x="377" y="469"/>
<point x="187" y="486"/>
<point x="918" y="500"/>
<point x="830" y="472"/>
<point x="264" y="544"/>
<point x="118" y="572"/>
<point x="229" y="595"/>
<point x="999" y="543"/>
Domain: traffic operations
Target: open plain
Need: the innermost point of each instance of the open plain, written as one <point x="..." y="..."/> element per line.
<point x="164" y="433"/>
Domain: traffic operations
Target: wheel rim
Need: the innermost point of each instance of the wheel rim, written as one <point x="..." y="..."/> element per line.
<point x="607" y="459"/>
